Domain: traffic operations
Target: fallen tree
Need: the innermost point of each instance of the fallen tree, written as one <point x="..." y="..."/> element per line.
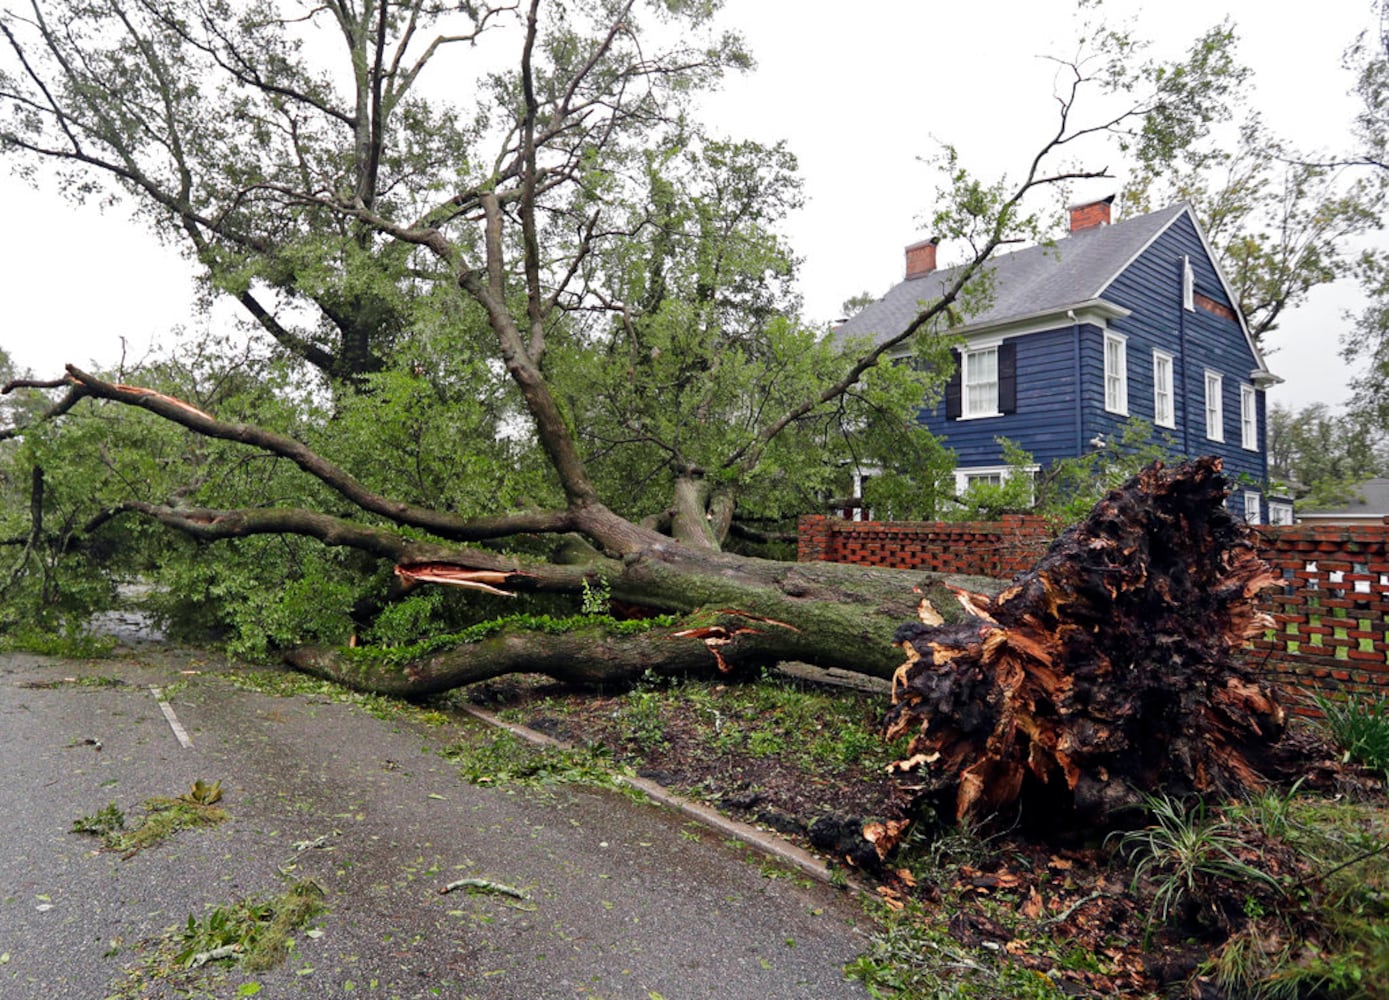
<point x="1106" y="672"/>
<point x="733" y="611"/>
<point x="540" y="345"/>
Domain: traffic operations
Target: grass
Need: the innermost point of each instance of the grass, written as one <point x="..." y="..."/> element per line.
<point x="287" y="684"/>
<point x="811" y="729"/>
<point x="1190" y="853"/>
<point x="1359" y="728"/>
<point x="68" y="645"/>
<point x="1280" y="897"/>
<point x="1331" y="936"/>
<point x="913" y="957"/>
<point x="163" y="818"/>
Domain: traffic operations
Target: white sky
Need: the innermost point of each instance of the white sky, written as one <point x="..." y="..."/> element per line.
<point x="860" y="92"/>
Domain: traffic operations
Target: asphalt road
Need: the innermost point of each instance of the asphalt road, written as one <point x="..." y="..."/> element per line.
<point x="625" y="900"/>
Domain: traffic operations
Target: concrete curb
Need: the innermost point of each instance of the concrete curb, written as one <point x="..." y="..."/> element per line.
<point x="759" y="840"/>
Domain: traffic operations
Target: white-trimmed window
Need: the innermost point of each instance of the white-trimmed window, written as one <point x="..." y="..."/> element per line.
<point x="1215" y="410"/>
<point x="1188" y="286"/>
<point x="1251" y="507"/>
<point x="994" y="475"/>
<point x="1164" y="408"/>
<point x="1280" y="513"/>
<point x="1248" y="418"/>
<point x="979" y="383"/>
<point x="1116" y="374"/>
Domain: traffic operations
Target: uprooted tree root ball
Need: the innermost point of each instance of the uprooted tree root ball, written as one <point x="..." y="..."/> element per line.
<point x="1107" y="672"/>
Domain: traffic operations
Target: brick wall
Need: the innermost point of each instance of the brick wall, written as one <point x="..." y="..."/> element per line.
<point x="982" y="548"/>
<point x="1331" y="611"/>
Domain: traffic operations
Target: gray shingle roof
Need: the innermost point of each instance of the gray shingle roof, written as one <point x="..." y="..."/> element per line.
<point x="1039" y="279"/>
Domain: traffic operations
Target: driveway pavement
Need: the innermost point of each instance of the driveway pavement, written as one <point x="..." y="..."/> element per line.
<point x="625" y="899"/>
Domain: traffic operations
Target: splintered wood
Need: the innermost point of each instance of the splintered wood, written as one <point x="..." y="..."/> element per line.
<point x="1105" y="672"/>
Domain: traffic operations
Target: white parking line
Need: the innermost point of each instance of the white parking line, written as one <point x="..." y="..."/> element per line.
<point x="169" y="715"/>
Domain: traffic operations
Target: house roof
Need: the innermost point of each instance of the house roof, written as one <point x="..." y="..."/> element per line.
<point x="1369" y="500"/>
<point x="1037" y="281"/>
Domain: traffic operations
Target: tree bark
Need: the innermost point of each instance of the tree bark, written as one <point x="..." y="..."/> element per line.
<point x="736" y="613"/>
<point x="591" y="655"/>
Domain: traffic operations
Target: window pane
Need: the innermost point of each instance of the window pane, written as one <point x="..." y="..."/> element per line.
<point x="1251" y="508"/>
<point x="981" y="382"/>
<point x="1162" y="391"/>
<point x="1215" y="418"/>
<point x="1248" y="414"/>
<point x="1115" y="376"/>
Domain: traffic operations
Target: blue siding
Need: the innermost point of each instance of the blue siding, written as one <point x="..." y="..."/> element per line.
<point x="1047" y="423"/>
<point x="1198" y="339"/>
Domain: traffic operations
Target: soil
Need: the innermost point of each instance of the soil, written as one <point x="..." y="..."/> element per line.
<point x="765" y="789"/>
<point x="1067" y="907"/>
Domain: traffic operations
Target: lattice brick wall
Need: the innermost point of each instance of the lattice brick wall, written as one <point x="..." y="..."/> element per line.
<point x="1331" y="611"/>
<point x="981" y="548"/>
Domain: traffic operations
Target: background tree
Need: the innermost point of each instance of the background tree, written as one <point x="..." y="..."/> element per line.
<point x="1321" y="455"/>
<point x="1281" y="222"/>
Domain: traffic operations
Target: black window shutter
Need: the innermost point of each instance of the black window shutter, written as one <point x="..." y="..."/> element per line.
<point x="952" y="390"/>
<point x="1008" y="377"/>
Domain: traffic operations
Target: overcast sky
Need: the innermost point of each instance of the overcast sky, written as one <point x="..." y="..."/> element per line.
<point x="860" y="92"/>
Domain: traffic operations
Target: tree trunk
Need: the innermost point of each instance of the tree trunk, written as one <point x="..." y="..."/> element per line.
<point x="1106" y="672"/>
<point x="691" y="524"/>
<point x="736" y="613"/>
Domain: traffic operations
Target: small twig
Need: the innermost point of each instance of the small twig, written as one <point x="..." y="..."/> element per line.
<point x="484" y="885"/>
<point x="1365" y="856"/>
<point x="300" y="846"/>
<point x="203" y="957"/>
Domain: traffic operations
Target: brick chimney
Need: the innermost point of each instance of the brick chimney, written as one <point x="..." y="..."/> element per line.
<point x="921" y="257"/>
<point x="1090" y="214"/>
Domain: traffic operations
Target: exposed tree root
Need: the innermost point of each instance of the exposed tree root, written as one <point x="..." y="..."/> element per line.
<point x="1105" y="672"/>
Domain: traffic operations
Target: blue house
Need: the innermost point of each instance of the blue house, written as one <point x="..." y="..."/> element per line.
<point x="1115" y="321"/>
